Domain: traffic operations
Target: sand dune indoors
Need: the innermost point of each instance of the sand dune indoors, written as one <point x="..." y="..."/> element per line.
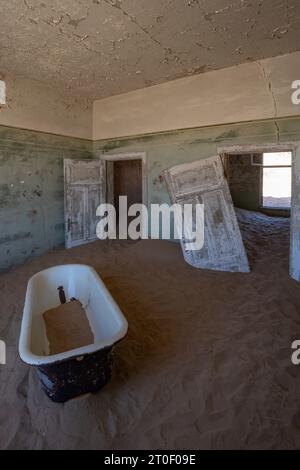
<point x="207" y="359"/>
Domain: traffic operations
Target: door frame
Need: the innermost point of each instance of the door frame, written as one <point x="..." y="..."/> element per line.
<point x="131" y="156"/>
<point x="294" y="147"/>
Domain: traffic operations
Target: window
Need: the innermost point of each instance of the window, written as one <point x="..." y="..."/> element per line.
<point x="276" y="180"/>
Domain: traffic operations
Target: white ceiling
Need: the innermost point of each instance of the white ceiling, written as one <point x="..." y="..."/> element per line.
<point x="98" y="48"/>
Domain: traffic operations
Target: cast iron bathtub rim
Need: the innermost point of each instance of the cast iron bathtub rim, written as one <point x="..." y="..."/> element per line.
<point x="77" y="357"/>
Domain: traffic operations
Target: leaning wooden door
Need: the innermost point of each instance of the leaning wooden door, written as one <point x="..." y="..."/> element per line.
<point x="203" y="182"/>
<point x="85" y="189"/>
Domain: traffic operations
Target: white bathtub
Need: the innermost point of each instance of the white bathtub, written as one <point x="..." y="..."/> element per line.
<point x="80" y="370"/>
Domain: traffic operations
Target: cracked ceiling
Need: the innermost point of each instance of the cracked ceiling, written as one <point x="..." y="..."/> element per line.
<point x="99" y="48"/>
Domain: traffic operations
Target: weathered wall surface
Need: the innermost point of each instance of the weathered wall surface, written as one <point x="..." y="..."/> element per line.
<point x="31" y="174"/>
<point x="247" y="92"/>
<point x="107" y="47"/>
<point x="165" y="150"/>
<point x="244" y="181"/>
<point x="35" y="106"/>
<point x="32" y="191"/>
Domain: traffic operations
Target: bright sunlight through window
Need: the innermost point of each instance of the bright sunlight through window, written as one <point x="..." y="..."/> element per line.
<point x="276" y="179"/>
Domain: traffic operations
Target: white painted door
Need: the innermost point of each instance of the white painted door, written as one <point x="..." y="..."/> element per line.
<point x="203" y="182"/>
<point x="85" y="189"/>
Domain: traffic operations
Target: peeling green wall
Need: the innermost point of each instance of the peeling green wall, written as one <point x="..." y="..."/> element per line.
<point x="165" y="150"/>
<point x="32" y="191"/>
<point x="31" y="174"/>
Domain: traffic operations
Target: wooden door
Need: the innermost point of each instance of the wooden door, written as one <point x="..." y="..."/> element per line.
<point x="85" y="189"/>
<point x="203" y="182"/>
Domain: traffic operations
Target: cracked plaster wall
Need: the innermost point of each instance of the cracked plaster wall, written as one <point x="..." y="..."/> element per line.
<point x="32" y="191"/>
<point x="31" y="174"/>
<point x="100" y="48"/>
<point x="32" y="105"/>
<point x="247" y="92"/>
<point x="168" y="149"/>
<point x="31" y="215"/>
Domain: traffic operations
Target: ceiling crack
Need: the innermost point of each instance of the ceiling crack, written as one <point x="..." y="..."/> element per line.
<point x="29" y="7"/>
<point x="253" y="21"/>
<point x="117" y="4"/>
<point x="270" y="88"/>
<point x="71" y="35"/>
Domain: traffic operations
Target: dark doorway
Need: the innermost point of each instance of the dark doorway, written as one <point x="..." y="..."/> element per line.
<point x="128" y="181"/>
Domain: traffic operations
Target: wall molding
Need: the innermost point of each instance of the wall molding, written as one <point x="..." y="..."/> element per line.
<point x="12" y="136"/>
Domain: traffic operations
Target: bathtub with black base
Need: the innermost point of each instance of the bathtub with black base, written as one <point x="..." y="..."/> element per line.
<point x="78" y="371"/>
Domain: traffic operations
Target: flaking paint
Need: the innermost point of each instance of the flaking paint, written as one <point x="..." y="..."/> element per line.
<point x="37" y="159"/>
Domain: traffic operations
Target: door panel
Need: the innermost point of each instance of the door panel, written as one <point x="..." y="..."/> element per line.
<point x="204" y="182"/>
<point x="76" y="221"/>
<point x="84" y="171"/>
<point x="94" y="195"/>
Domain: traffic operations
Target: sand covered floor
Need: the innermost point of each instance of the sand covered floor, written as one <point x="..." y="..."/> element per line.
<point x="206" y="363"/>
